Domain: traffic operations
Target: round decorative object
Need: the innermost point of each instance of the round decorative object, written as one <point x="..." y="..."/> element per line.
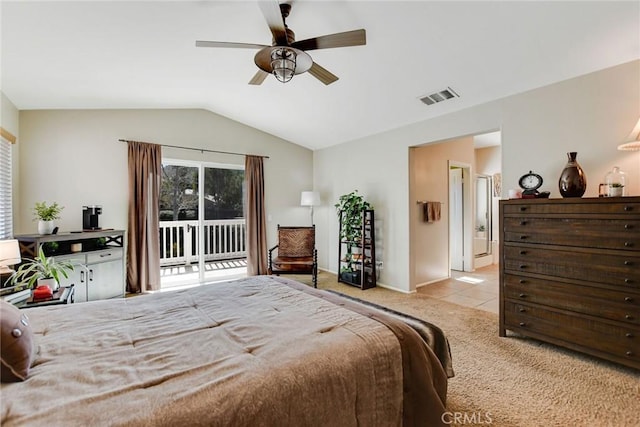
<point x="573" y="181"/>
<point x="45" y="227"/>
<point x="530" y="182"/>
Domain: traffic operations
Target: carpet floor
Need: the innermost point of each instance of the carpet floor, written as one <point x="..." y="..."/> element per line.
<point x="514" y="381"/>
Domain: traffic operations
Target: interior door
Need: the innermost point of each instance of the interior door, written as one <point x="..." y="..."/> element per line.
<point x="456" y="218"/>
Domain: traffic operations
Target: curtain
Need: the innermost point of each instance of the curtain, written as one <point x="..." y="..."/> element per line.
<point x="143" y="250"/>
<point x="255" y="216"/>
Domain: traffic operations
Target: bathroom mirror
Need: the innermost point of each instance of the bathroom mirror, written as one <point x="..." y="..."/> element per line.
<point x="482" y="238"/>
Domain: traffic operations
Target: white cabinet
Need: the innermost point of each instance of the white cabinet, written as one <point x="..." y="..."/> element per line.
<point x="99" y="268"/>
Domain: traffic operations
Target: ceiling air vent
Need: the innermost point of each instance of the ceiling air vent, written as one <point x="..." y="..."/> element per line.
<point x="440" y="96"/>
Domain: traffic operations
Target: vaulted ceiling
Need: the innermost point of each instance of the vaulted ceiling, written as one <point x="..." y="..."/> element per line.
<point x="124" y="54"/>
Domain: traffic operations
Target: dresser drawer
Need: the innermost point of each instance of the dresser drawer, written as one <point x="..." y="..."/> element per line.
<point x="615" y="305"/>
<point x="104" y="255"/>
<point x="621" y="269"/>
<point x="618" y="340"/>
<point x="542" y="207"/>
<point x="584" y="232"/>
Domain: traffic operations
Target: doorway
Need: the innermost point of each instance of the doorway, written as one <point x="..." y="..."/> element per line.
<point x="460" y="258"/>
<point x="202" y="225"/>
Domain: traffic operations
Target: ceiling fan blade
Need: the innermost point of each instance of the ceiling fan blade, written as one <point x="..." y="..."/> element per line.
<point x="258" y="78"/>
<point x="322" y="74"/>
<point x="348" y="38"/>
<point x="273" y="16"/>
<point x="204" y="43"/>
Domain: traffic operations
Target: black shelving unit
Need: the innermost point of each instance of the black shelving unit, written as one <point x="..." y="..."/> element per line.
<point x="357" y="258"/>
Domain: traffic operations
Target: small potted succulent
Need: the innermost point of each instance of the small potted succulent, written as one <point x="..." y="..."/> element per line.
<point x="45" y="215"/>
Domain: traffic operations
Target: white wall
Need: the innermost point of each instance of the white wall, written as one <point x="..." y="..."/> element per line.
<point x="590" y="114"/>
<point x="74" y="157"/>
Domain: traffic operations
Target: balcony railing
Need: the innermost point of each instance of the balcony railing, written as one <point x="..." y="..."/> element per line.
<point x="223" y="239"/>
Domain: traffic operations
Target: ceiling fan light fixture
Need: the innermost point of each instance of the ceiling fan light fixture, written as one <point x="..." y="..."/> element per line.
<point x="283" y="64"/>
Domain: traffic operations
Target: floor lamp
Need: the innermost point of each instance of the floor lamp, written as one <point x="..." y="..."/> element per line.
<point x="311" y="199"/>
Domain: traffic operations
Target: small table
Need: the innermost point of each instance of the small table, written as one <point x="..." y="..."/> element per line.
<point x="64" y="295"/>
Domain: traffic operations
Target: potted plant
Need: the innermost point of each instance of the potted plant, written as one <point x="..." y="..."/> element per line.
<point x="42" y="270"/>
<point x="351" y="206"/>
<point x="45" y="215"/>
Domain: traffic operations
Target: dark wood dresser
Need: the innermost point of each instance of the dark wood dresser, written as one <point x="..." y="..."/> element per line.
<point x="570" y="274"/>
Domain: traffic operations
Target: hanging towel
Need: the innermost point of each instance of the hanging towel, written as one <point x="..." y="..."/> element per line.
<point x="431" y="211"/>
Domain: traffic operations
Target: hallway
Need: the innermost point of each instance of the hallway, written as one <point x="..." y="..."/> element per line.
<point x="478" y="289"/>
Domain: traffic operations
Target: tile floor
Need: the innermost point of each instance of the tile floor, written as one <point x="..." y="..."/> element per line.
<point x="478" y="289"/>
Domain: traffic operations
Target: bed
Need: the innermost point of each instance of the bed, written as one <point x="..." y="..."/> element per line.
<point x="261" y="351"/>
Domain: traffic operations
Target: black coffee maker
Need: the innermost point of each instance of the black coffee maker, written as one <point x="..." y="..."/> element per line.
<point x="90" y="217"/>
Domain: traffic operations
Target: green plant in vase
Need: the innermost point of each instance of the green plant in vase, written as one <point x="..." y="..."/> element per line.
<point x="33" y="271"/>
<point x="45" y="215"/>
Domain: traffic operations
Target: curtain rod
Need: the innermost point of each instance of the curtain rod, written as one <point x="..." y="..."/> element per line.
<point x="202" y="150"/>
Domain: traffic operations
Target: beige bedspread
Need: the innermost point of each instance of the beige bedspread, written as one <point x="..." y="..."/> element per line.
<point x="252" y="352"/>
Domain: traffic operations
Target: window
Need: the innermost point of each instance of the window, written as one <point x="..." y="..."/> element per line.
<point x="6" y="215"/>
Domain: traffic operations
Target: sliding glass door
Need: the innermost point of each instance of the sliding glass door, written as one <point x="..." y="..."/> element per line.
<point x="202" y="232"/>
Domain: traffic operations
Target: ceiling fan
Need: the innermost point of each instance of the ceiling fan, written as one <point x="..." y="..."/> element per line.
<point x="287" y="57"/>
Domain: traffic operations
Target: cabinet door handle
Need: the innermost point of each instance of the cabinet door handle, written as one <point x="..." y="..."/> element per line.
<point x="90" y="275"/>
<point x="82" y="276"/>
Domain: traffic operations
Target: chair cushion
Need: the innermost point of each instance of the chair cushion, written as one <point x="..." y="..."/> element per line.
<point x="281" y="263"/>
<point x="296" y="241"/>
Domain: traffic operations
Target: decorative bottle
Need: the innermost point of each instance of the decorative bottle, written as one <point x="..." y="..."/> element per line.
<point x="573" y="181"/>
<point x="615" y="182"/>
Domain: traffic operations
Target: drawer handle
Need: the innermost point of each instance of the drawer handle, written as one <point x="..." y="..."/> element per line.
<point x="523" y="266"/>
<point x="628" y="299"/>
<point x="523" y="252"/>
<point x="523" y="222"/>
<point x="627" y="281"/>
<point x="522" y="281"/>
<point x="628" y="226"/>
<point x="524" y="237"/>
<point x="522" y="295"/>
<point x="522" y="310"/>
<point x="628" y="335"/>
<point x="524" y="208"/>
<point x="628" y="263"/>
<point x="104" y="255"/>
<point x="628" y="317"/>
<point x="629" y="353"/>
<point x="523" y="324"/>
<point x="628" y="244"/>
<point x="628" y="208"/>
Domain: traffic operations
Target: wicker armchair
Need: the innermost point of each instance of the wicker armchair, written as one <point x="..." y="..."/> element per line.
<point x="296" y="253"/>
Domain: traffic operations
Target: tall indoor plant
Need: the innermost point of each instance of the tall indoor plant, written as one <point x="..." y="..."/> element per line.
<point x="351" y="206"/>
<point x="45" y="215"/>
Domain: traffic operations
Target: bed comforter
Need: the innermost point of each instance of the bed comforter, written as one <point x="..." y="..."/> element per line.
<point x="261" y="351"/>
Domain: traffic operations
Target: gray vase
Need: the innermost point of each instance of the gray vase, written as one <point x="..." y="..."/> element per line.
<point x="573" y="181"/>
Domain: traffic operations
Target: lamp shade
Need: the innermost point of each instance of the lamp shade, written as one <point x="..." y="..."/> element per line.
<point x="309" y="198"/>
<point x="632" y="142"/>
<point x="9" y="252"/>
